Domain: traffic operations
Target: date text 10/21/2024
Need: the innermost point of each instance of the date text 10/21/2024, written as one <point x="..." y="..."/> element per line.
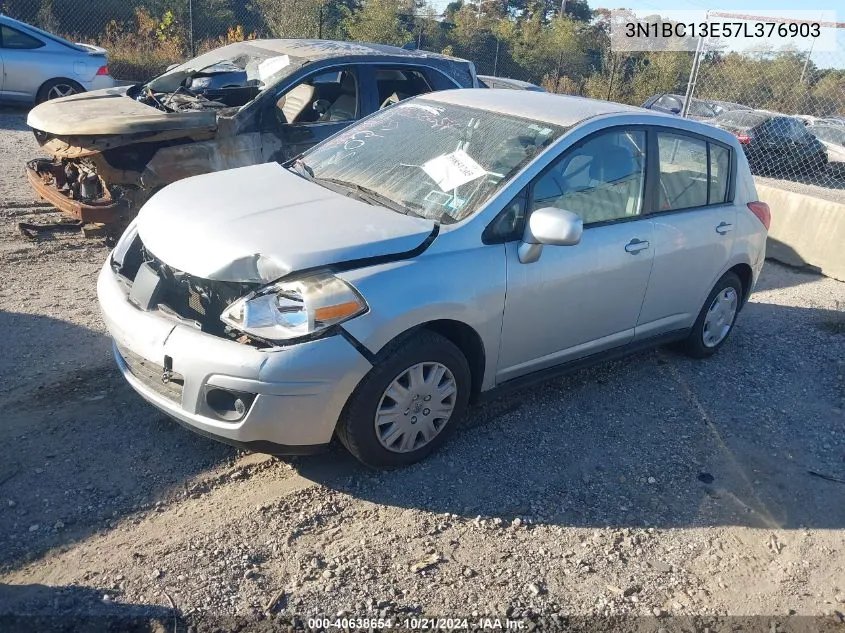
<point x="416" y="624"/>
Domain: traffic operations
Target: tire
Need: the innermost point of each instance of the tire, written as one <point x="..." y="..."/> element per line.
<point x="708" y="335"/>
<point x="422" y="355"/>
<point x="55" y="88"/>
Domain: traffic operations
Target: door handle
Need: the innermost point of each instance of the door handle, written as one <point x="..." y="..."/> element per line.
<point x="636" y="245"/>
<point x="724" y="227"/>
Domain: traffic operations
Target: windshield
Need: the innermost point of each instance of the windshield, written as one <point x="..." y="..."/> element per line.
<point x="788" y="128"/>
<point x="260" y="66"/>
<point x="425" y="158"/>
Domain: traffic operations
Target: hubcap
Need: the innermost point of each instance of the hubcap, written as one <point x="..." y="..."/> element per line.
<point x="720" y="317"/>
<point x="415" y="407"/>
<point x="60" y="90"/>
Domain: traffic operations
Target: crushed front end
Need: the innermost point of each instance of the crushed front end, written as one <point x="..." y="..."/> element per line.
<point x="75" y="187"/>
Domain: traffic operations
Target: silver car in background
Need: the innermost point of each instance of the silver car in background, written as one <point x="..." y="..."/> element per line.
<point x="36" y="66"/>
<point x="441" y="249"/>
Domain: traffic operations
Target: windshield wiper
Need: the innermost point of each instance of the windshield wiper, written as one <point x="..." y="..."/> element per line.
<point x="375" y="197"/>
<point x="361" y="192"/>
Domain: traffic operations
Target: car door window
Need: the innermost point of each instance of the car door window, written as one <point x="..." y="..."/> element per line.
<point x="14" y="39"/>
<point x="329" y="96"/>
<point x="683" y="172"/>
<point x="668" y="102"/>
<point x="601" y="180"/>
<point x="686" y="180"/>
<point x="720" y="167"/>
<point x="396" y="84"/>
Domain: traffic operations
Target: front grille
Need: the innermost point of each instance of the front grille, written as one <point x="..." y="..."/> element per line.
<point x="189" y="297"/>
<point x="150" y="374"/>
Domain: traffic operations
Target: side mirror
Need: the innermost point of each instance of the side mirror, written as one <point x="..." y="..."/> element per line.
<point x="552" y="226"/>
<point x="675" y="110"/>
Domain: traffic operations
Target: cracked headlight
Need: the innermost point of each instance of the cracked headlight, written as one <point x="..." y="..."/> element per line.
<point x="294" y="309"/>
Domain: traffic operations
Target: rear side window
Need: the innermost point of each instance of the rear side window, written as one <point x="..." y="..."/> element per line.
<point x="395" y="85"/>
<point x="690" y="176"/>
<point x="14" y="39"/>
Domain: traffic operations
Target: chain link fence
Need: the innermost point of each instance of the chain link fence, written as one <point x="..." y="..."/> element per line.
<point x="786" y="107"/>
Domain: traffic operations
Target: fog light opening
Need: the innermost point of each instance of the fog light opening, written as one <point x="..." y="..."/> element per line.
<point x="227" y="405"/>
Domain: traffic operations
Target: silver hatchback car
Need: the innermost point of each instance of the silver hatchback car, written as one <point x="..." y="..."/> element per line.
<point x="436" y="251"/>
<point x="37" y="66"/>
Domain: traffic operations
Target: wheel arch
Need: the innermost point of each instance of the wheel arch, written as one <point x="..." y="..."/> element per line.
<point x="746" y="278"/>
<point x="38" y="93"/>
<point x="463" y="336"/>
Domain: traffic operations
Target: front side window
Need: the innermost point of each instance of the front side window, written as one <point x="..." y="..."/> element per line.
<point x="14" y="39"/>
<point x="426" y="158"/>
<point x="329" y="96"/>
<point x="601" y="180"/>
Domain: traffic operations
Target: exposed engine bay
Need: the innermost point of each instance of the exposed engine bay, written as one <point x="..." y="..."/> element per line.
<point x="184" y="99"/>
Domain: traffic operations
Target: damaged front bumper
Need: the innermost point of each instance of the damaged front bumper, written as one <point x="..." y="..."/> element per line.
<point x="45" y="175"/>
<point x="291" y="397"/>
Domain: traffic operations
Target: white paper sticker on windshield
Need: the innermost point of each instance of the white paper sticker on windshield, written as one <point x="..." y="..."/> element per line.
<point x="453" y="170"/>
<point x="271" y="66"/>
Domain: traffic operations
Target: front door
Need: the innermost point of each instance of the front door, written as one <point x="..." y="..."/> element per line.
<point x="313" y="109"/>
<point x="578" y="300"/>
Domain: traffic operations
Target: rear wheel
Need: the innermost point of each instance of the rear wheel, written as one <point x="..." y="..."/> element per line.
<point x="408" y="404"/>
<point x="717" y="317"/>
<point x="56" y="88"/>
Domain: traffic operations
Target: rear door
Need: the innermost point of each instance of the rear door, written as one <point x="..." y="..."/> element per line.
<point x="694" y="224"/>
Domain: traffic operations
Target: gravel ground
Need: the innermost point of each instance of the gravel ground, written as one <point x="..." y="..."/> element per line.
<point x="655" y="487"/>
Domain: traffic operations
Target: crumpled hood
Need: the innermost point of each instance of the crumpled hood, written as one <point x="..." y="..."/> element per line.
<point x="110" y="111"/>
<point x="259" y="223"/>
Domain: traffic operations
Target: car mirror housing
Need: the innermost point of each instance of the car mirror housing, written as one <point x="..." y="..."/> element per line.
<point x="550" y="226"/>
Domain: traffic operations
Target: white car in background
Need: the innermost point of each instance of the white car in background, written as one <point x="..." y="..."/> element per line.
<point x="38" y="66"/>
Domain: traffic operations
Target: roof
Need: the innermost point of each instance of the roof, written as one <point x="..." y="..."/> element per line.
<point x="552" y="108"/>
<point x="313" y="50"/>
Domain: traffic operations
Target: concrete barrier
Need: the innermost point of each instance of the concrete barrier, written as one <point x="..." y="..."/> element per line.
<point x="806" y="231"/>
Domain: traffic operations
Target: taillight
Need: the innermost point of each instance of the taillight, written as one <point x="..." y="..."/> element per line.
<point x="103" y="70"/>
<point x="743" y="139"/>
<point x="761" y="210"/>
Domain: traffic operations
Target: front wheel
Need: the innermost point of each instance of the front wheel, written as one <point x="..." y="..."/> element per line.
<point x="717" y="317"/>
<point x="408" y="404"/>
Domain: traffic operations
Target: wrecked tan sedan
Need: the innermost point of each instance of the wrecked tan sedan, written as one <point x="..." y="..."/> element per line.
<point x="242" y="104"/>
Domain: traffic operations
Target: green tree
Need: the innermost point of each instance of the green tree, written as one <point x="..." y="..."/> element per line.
<point x="383" y="21"/>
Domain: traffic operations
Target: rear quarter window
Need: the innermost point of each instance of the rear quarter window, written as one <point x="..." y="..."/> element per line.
<point x="17" y="40"/>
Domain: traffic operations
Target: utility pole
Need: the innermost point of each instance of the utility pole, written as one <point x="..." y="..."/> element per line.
<point x="320" y="24"/>
<point x="562" y="8"/>
<point x="191" y="25"/>
<point x="693" y="73"/>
